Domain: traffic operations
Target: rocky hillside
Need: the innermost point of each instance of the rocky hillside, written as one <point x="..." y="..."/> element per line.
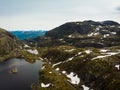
<point x="11" y="47"/>
<point x="82" y="34"/>
<point x="71" y="68"/>
<point x="80" y="56"/>
<point x="88" y="28"/>
<point x="8" y="44"/>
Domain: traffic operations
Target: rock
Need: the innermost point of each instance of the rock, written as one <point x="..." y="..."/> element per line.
<point x="14" y="70"/>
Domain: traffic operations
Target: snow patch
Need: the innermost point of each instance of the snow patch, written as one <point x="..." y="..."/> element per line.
<point x="100" y="26"/>
<point x="63" y="72"/>
<point x="69" y="59"/>
<point x="60" y="39"/>
<point x="85" y="88"/>
<point x="70" y="36"/>
<point x="26" y="46"/>
<point x="50" y="72"/>
<point x="41" y="58"/>
<point x="113" y="33"/>
<point x="79" y="53"/>
<point x="107" y="55"/>
<point x="106" y="35"/>
<point x="43" y="67"/>
<point x="117" y="66"/>
<point x="69" y="50"/>
<point x="45" y="85"/>
<point x="100" y="57"/>
<point x="56" y="64"/>
<point x="112" y="26"/>
<point x="103" y="50"/>
<point x="33" y="51"/>
<point x="74" y="79"/>
<point x="91" y="34"/>
<point x="97" y="29"/>
<point x="88" y="51"/>
<point x="112" y="53"/>
<point x="97" y="33"/>
<point x="57" y="69"/>
<point x="77" y="23"/>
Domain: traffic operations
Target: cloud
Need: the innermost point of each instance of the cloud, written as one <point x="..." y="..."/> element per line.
<point x="118" y="8"/>
<point x="35" y="14"/>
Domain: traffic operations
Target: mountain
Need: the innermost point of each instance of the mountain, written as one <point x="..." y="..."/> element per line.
<point x="82" y="34"/>
<point x="8" y="44"/>
<point x="70" y="68"/>
<point x="12" y="47"/>
<point x="28" y="34"/>
<point x="80" y="56"/>
<point x="83" y="28"/>
<point x="76" y="55"/>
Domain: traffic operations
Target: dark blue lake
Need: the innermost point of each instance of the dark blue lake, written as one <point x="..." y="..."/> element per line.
<point x="27" y="74"/>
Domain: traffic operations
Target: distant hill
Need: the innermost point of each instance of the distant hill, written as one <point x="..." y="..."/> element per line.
<point x="82" y="34"/>
<point x="28" y="34"/>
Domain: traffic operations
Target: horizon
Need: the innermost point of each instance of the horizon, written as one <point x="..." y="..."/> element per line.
<point x="54" y="27"/>
<point x="27" y="30"/>
<point x="46" y="15"/>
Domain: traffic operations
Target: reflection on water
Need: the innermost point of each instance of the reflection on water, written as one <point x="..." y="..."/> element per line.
<point x="27" y="73"/>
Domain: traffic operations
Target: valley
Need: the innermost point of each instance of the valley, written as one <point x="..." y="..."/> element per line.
<point x="74" y="56"/>
<point x="22" y="34"/>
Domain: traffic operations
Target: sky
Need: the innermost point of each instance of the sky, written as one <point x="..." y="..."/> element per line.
<point x="48" y="14"/>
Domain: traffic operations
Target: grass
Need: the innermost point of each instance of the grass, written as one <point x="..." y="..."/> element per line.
<point x="96" y="74"/>
<point x="58" y="81"/>
<point x="20" y="54"/>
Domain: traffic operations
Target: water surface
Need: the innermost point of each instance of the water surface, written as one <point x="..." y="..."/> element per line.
<point x="26" y="75"/>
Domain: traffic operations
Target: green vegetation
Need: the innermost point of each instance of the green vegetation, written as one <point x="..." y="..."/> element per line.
<point x="98" y="74"/>
<point x="57" y="55"/>
<point x="81" y="34"/>
<point x="11" y="47"/>
<point x="91" y="50"/>
<point x="57" y="81"/>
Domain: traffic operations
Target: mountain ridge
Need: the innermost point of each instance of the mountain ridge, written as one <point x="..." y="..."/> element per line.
<point x="21" y="34"/>
<point x="82" y="34"/>
<point x="81" y="27"/>
<point x="8" y="44"/>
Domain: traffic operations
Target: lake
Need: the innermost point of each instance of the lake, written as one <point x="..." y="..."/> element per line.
<point x="27" y="73"/>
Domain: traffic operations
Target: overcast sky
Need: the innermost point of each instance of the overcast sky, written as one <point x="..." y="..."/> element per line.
<point x="47" y="14"/>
